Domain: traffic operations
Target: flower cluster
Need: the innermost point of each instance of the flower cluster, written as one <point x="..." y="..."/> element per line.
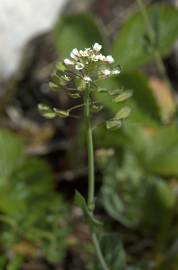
<point x="80" y="74"/>
<point x="83" y="61"/>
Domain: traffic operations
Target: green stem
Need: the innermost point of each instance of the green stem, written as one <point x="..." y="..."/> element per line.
<point x="98" y="252"/>
<point x="91" y="175"/>
<point x="157" y="57"/>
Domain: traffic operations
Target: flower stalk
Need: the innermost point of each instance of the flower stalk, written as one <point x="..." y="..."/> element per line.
<point x="80" y="75"/>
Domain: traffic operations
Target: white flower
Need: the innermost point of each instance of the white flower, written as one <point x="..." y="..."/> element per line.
<point x="68" y="62"/>
<point x="115" y="71"/>
<point x="100" y="57"/>
<point x="87" y="79"/>
<point x="109" y="59"/>
<point x="97" y="47"/>
<point x="106" y="72"/>
<point x="84" y="53"/>
<point x="79" y="66"/>
<point x="74" y="54"/>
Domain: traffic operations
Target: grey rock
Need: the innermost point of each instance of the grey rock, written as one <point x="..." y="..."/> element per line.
<point x="20" y="21"/>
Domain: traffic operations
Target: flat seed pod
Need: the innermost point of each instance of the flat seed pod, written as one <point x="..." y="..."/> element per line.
<point x="113" y="124"/>
<point x="61" y="113"/>
<point x="122" y="97"/>
<point x="53" y="86"/>
<point x="122" y="114"/>
<point x="115" y="92"/>
<point x="74" y="95"/>
<point x="46" y="111"/>
<point x="96" y="108"/>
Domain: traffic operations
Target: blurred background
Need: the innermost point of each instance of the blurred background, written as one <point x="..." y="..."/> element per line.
<point x="43" y="162"/>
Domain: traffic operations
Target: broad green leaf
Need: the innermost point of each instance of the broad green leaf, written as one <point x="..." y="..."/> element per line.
<point x="29" y="182"/>
<point x="128" y="47"/>
<point x="10" y="153"/>
<point x="113" y="252"/>
<point x="77" y="31"/>
<point x="142" y="93"/>
<point x="156" y="149"/>
<point x="135" y="199"/>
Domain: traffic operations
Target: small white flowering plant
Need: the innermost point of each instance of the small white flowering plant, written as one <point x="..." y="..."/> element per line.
<point x="80" y="76"/>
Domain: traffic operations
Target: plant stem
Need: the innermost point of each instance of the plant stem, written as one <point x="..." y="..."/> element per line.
<point x="98" y="252"/>
<point x="91" y="175"/>
<point x="157" y="57"/>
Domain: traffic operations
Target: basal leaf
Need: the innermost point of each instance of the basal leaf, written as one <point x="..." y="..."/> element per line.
<point x="128" y="47"/>
<point x="77" y="31"/>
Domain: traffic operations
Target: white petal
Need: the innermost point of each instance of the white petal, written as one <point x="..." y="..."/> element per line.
<point x="100" y="57"/>
<point x="75" y="51"/>
<point x="115" y="71"/>
<point x="68" y="62"/>
<point x="106" y="72"/>
<point x="109" y="59"/>
<point x="87" y="79"/>
<point x="97" y="47"/>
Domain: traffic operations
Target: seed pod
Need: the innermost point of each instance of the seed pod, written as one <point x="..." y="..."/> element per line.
<point x="123" y="96"/>
<point x="61" y="113"/>
<point x="46" y="111"/>
<point x="113" y="124"/>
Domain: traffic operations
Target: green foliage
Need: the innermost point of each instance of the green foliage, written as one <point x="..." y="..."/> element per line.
<point x="10" y="155"/>
<point x="129" y="45"/>
<point x="156" y="148"/>
<point x="15" y="263"/>
<point x="26" y="216"/>
<point x="113" y="252"/>
<point x="77" y="31"/>
<point x="135" y="199"/>
<point x="142" y="94"/>
<point x="137" y="189"/>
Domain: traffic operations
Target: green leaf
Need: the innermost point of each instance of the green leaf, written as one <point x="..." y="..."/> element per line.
<point x="156" y="149"/>
<point x="142" y="94"/>
<point x="90" y="219"/>
<point x="113" y="124"/>
<point x="46" y="111"/>
<point x="10" y="154"/>
<point x="77" y="31"/>
<point x="128" y="47"/>
<point x="15" y="263"/>
<point x="113" y="252"/>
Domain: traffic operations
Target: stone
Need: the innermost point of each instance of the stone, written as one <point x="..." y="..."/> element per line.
<point x="21" y="21"/>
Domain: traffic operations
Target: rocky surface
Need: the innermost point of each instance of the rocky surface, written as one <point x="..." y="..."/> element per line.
<point x="20" y="21"/>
